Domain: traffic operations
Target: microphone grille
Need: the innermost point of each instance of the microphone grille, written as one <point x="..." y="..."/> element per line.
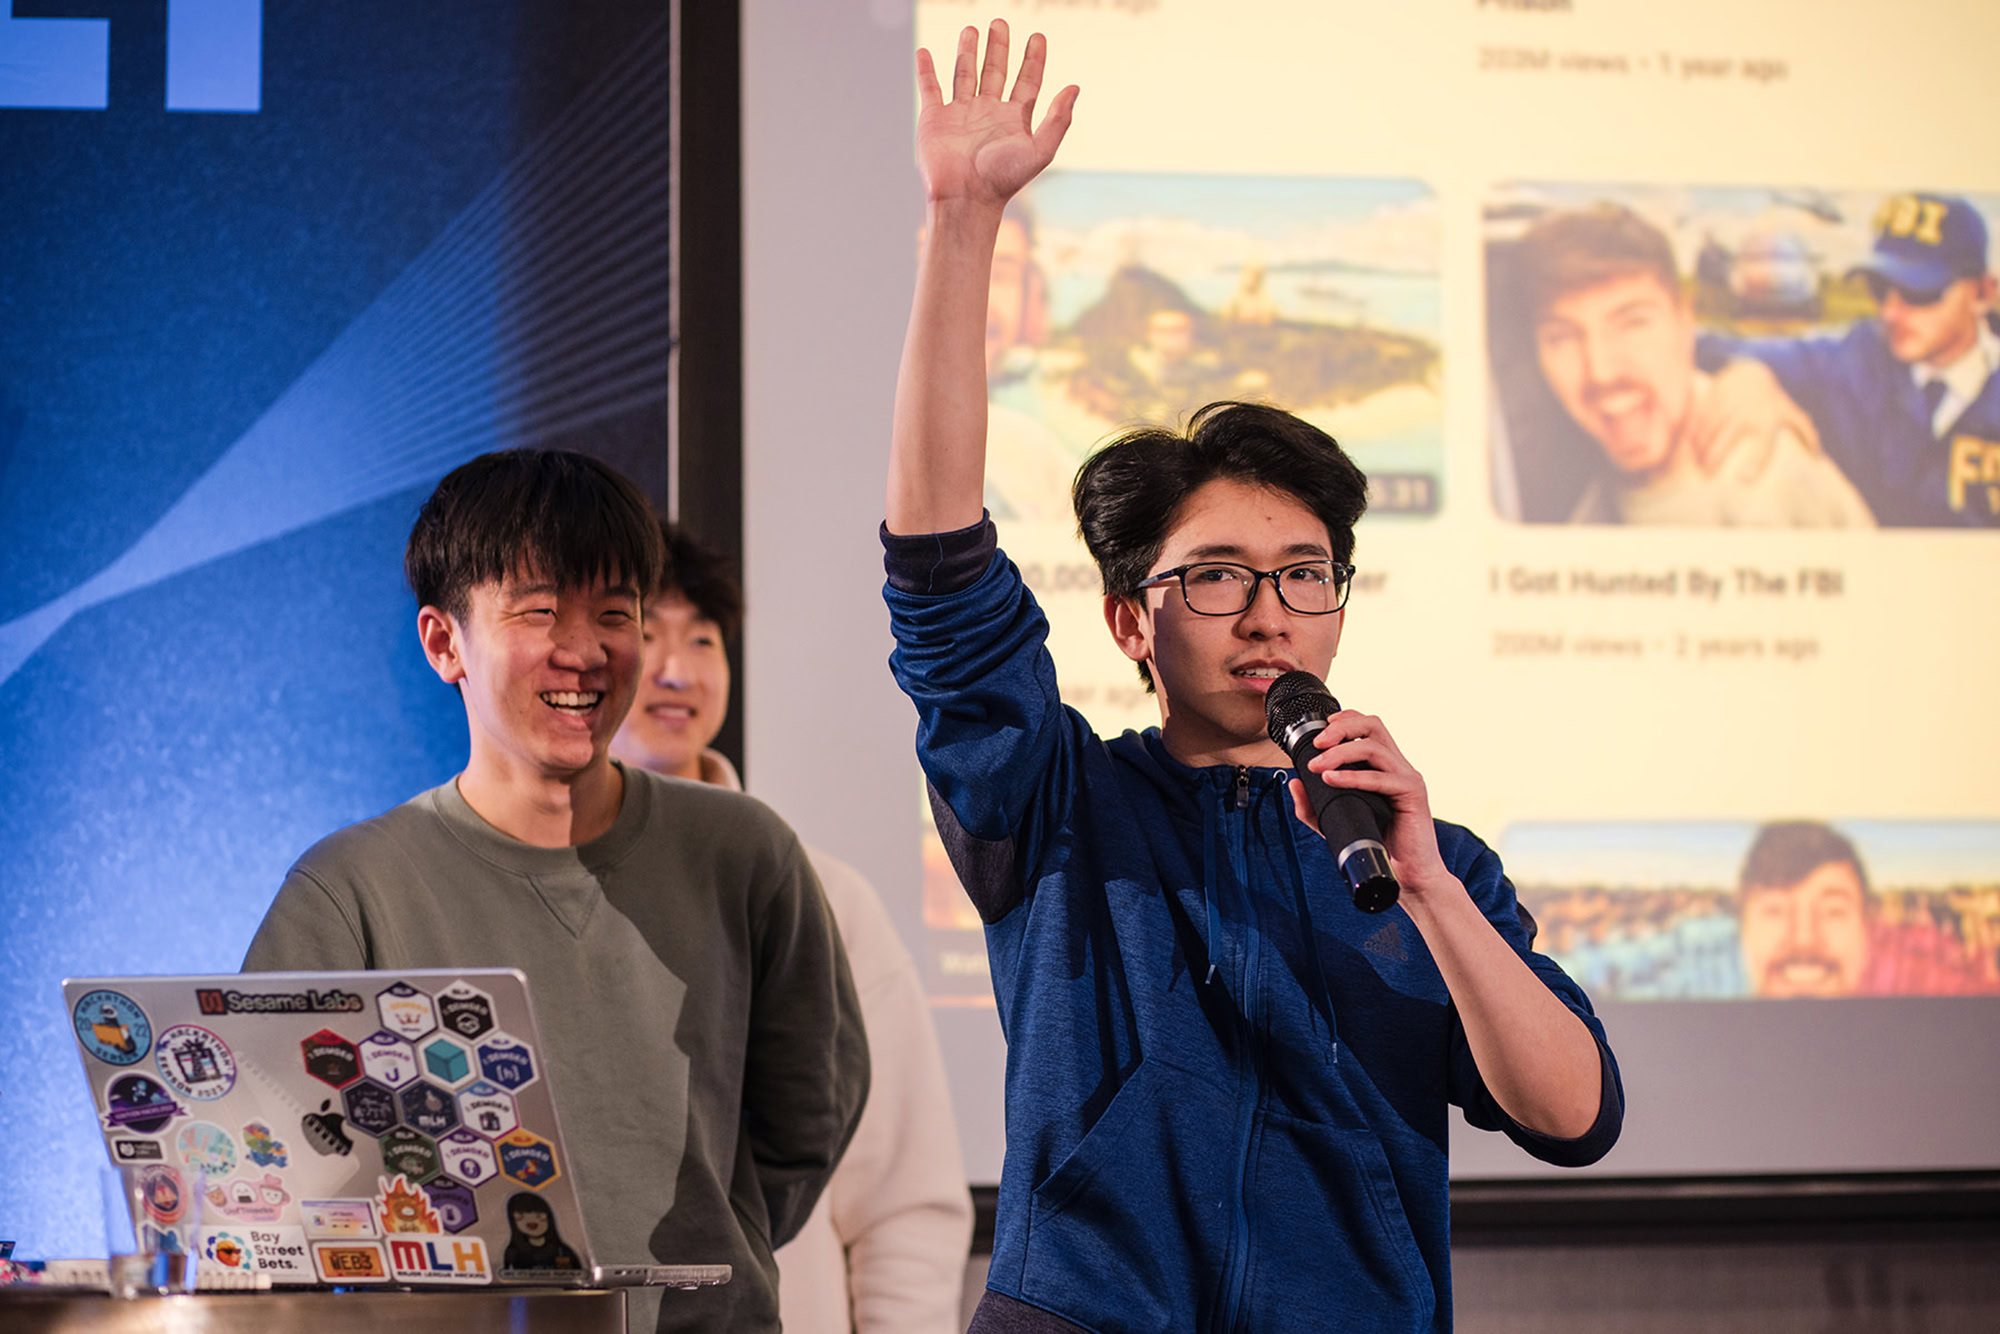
<point x="1293" y="698"/>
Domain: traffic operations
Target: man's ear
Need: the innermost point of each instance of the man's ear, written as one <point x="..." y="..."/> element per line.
<point x="439" y="634"/>
<point x="1130" y="627"/>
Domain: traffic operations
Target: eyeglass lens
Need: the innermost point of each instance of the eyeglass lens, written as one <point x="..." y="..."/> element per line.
<point x="1313" y="587"/>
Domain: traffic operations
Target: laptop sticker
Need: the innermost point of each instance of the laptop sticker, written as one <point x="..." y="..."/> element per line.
<point x="262" y="1148"/>
<point x="404" y="1208"/>
<point x="196" y="1063"/>
<point x="281" y="1252"/>
<point x="371" y="1109"/>
<point x="325" y="1131"/>
<point x="488" y="1109"/>
<point x="465" y="1010"/>
<point x="407" y="1011"/>
<point x="112" y="1027"/>
<point x="439" y="1260"/>
<point x="229" y="1250"/>
<point x="162" y="1195"/>
<point x="205" y="1146"/>
<point x="428" y="1108"/>
<point x="410" y="1154"/>
<point x="453" y="1202"/>
<point x="468" y="1157"/>
<point x="447" y="1062"/>
<point x="139" y="1103"/>
<point x="346" y="1262"/>
<point x="528" y="1159"/>
<point x="261" y="1200"/>
<point x="504" y="1061"/>
<point x="388" y="1059"/>
<point x="338" y="1218"/>
<point x="331" y="1058"/>
<point x="532" y="1239"/>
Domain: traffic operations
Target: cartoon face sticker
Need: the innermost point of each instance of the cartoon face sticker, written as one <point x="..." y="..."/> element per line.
<point x="532" y="1239"/>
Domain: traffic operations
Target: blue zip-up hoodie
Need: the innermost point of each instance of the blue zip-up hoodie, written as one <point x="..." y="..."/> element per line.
<point x="1226" y="1087"/>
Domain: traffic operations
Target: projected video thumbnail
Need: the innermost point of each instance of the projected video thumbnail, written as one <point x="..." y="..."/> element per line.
<point x="1790" y="908"/>
<point x="1760" y="357"/>
<point x="1120" y="298"/>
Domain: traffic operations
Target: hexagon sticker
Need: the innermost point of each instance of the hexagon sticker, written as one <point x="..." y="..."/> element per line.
<point x="487" y="1109"/>
<point x="453" y="1203"/>
<point x="468" y="1157"/>
<point x="506" y="1062"/>
<point x="371" y="1109"/>
<point x="406" y="1011"/>
<point x="447" y="1062"/>
<point x="331" y="1058"/>
<point x="528" y="1159"/>
<point x="465" y="1010"/>
<point x="410" y="1154"/>
<point x="387" y="1059"/>
<point x="428" y="1108"/>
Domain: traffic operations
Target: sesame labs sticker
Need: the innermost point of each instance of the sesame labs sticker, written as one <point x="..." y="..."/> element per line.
<point x="112" y="1027"/>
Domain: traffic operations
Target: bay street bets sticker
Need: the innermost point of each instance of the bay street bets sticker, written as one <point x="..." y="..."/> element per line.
<point x="112" y="1027"/>
<point x="196" y="1063"/>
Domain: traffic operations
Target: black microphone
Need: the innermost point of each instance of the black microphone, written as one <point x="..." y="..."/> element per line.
<point x="1295" y="709"/>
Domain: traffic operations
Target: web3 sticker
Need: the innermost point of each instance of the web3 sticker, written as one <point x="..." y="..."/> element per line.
<point x="112" y="1027"/>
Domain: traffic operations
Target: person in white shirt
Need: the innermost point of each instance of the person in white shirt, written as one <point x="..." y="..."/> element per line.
<point x="886" y="1247"/>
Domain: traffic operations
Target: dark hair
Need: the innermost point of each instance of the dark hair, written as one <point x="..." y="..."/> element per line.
<point x="1130" y="493"/>
<point x="1787" y="851"/>
<point x="703" y="576"/>
<point x="521" y="1202"/>
<point x="1573" y="250"/>
<point x="564" y="515"/>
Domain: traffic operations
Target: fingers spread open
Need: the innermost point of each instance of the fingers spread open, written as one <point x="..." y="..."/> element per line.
<point x="1028" y="83"/>
<point x="993" y="74"/>
<point x="1049" y="136"/>
<point x="928" y="93"/>
<point x="964" y="82"/>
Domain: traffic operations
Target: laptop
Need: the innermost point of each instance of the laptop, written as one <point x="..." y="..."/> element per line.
<point x="345" y="1128"/>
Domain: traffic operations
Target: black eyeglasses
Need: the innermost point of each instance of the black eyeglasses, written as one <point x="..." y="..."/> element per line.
<point x="1223" y="588"/>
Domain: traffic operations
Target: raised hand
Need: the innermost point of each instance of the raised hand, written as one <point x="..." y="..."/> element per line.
<point x="983" y="146"/>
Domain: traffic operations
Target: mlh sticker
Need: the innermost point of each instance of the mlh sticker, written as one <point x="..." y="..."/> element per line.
<point x="331" y="1058"/>
<point x="506" y="1062"/>
<point x="528" y="1159"/>
<point x="465" y="1010"/>
<point x="428" y="1108"/>
<point x="388" y="1059"/>
<point x="371" y="1109"/>
<point x="406" y="1011"/>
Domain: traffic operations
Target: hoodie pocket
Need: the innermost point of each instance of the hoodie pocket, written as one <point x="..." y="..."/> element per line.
<point x="1126" y="1232"/>
<point x="1332" y="1226"/>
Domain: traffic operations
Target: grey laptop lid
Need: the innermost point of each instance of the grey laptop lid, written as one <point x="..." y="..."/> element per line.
<point x="346" y="1128"/>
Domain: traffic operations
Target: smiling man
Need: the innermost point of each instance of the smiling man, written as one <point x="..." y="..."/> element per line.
<point x="1227" y="1087"/>
<point x="1614" y="335"/>
<point x="703" y="1038"/>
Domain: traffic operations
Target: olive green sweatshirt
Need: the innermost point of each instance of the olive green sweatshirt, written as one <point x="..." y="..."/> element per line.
<point x="700" y="1030"/>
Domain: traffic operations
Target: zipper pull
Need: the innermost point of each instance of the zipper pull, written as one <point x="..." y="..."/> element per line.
<point x="1242" y="787"/>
